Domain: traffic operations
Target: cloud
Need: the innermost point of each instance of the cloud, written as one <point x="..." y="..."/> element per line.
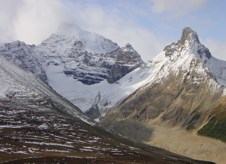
<point x="176" y="8"/>
<point x="8" y="14"/>
<point x="29" y="20"/>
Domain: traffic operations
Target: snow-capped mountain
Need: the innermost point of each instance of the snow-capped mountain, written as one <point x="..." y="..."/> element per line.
<point x="84" y="67"/>
<point x="88" y="57"/>
<point x="175" y="75"/>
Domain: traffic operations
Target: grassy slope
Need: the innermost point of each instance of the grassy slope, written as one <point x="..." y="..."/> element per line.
<point x="215" y="128"/>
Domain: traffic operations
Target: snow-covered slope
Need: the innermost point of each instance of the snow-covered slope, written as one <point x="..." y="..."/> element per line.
<point x="23" y="56"/>
<point x="90" y="42"/>
<point x="22" y="88"/>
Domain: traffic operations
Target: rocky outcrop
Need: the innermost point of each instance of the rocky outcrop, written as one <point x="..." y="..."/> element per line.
<point x="127" y="59"/>
<point x="189" y="39"/>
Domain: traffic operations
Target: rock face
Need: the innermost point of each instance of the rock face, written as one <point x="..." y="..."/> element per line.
<point x="190" y="39"/>
<point x="89" y="57"/>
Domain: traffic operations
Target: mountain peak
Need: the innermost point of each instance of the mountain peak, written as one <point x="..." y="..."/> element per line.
<point x="189" y="42"/>
<point x="188" y="35"/>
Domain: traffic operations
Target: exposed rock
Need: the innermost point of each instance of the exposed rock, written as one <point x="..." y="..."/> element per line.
<point x="189" y="40"/>
<point x="189" y="35"/>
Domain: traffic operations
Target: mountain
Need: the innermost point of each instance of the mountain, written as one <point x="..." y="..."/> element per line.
<point x="37" y="125"/>
<point x="88" y="57"/>
<point x="89" y="66"/>
<point x="185" y="95"/>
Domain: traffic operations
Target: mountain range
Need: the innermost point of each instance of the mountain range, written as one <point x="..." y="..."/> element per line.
<point x="40" y="126"/>
<point x="179" y="95"/>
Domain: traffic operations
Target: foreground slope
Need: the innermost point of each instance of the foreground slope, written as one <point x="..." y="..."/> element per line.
<point x="37" y="136"/>
<point x="186" y="92"/>
<point x="37" y="125"/>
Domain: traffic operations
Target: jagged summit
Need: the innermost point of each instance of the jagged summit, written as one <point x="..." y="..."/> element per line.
<point x="188" y="35"/>
<point x="188" y="44"/>
<point x="192" y="56"/>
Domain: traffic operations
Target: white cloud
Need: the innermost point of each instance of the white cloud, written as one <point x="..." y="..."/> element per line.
<point x="176" y="8"/>
<point x="29" y="20"/>
<point x="8" y="14"/>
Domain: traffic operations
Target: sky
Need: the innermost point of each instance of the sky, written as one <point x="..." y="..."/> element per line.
<point x="149" y="25"/>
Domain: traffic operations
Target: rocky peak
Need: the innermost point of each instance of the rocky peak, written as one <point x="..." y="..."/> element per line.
<point x="190" y="43"/>
<point x="188" y="35"/>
